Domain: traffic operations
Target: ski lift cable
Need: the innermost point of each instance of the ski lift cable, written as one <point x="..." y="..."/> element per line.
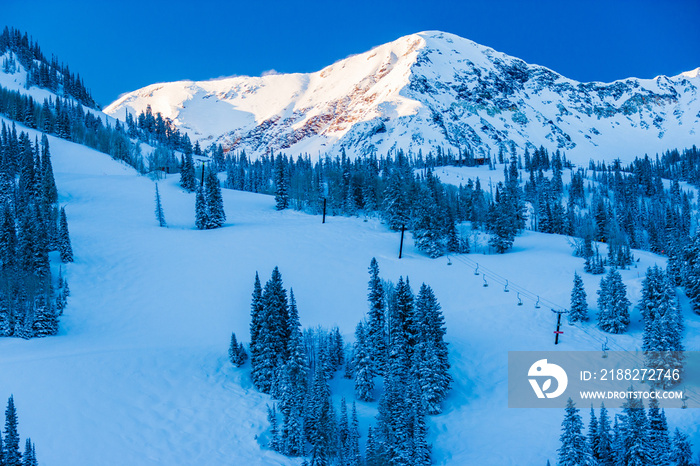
<point x="527" y="294"/>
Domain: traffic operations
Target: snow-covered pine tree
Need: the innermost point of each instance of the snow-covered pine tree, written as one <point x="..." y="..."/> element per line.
<point x="188" y="179"/>
<point x="691" y="271"/>
<point x="363" y="365"/>
<point x="320" y="420"/>
<point x="236" y="352"/>
<point x="613" y="314"/>
<point x="45" y="320"/>
<point x="634" y="431"/>
<point x="64" y="244"/>
<point x="376" y="326"/>
<point x="574" y="450"/>
<point x="281" y="183"/>
<point x="579" y="305"/>
<point x="400" y="320"/>
<point x="201" y="213"/>
<point x="8" y="240"/>
<point x="270" y="333"/>
<point x="256" y="322"/>
<point x="160" y="216"/>
<point x="659" y="442"/>
<point x="427" y="232"/>
<point x="663" y="324"/>
<point x="274" y="443"/>
<point x="13" y="457"/>
<point x="396" y="209"/>
<point x="294" y="391"/>
<point x="502" y="221"/>
<point x="420" y="455"/>
<point x="602" y="449"/>
<point x="214" y="201"/>
<point x="29" y="457"/>
<point x="681" y="453"/>
<point x="353" y="457"/>
<point x="342" y="434"/>
<point x="430" y="355"/>
<point x="593" y="434"/>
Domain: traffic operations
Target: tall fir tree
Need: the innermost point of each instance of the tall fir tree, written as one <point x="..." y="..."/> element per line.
<point x="13" y="457"/>
<point x="613" y="314"/>
<point x="64" y="244"/>
<point x="201" y="219"/>
<point x="376" y="326"/>
<point x="574" y="449"/>
<point x="681" y="452"/>
<point x="363" y="365"/>
<point x="160" y="216"/>
<point x="579" y="305"/>
<point x="214" y="201"/>
<point x="281" y="183"/>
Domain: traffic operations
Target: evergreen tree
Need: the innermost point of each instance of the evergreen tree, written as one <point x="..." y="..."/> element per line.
<point x="294" y="390"/>
<point x="376" y="327"/>
<point x="659" y="442"/>
<point x="574" y="450"/>
<point x="236" y="352"/>
<point x="602" y="449"/>
<point x="634" y="432"/>
<point x="45" y="320"/>
<point x="201" y="212"/>
<point x="430" y="355"/>
<point x="188" y="179"/>
<point x="160" y="217"/>
<point x="663" y="324"/>
<point x="214" y="201"/>
<point x="363" y="365"/>
<point x="13" y="457"/>
<point x="281" y="183"/>
<point x="681" y="453"/>
<point x="64" y="244"/>
<point x="613" y="315"/>
<point x="579" y="306"/>
<point x="502" y="221"/>
<point x="274" y="430"/>
<point x="353" y="457"/>
<point x="256" y="323"/>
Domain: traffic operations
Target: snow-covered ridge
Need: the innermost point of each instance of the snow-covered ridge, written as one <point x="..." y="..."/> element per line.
<point x="425" y="90"/>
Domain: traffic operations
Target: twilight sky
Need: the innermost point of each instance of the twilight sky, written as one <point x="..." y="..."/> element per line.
<point x="120" y="46"/>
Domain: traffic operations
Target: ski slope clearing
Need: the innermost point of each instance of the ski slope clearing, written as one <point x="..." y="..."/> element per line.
<point x="139" y="373"/>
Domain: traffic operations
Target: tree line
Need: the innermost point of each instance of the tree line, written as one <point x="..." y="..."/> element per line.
<point x="41" y="72"/>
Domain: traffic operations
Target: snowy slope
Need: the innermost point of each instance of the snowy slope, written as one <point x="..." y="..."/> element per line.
<point x="139" y="374"/>
<point x="430" y="89"/>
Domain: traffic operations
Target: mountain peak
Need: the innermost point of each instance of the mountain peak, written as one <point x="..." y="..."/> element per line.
<point x="426" y="90"/>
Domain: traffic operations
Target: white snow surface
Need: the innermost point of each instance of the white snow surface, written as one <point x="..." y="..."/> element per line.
<point x="139" y="372"/>
<point x="425" y="90"/>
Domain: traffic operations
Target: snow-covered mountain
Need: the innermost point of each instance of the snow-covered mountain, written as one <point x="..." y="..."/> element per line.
<point x="425" y="90"/>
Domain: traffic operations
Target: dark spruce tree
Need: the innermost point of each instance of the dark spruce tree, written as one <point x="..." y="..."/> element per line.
<point x="214" y="201"/>
<point x="13" y="456"/>
<point x="201" y="212"/>
<point x="64" y="244"/>
<point x="188" y="180"/>
<point x="160" y="216"/>
<point x="281" y="183"/>
<point x="376" y="337"/>
<point x="613" y="314"/>
<point x="579" y="305"/>
<point x="574" y="449"/>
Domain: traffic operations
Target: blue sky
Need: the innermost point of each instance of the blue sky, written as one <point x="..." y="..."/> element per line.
<point x="119" y="46"/>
